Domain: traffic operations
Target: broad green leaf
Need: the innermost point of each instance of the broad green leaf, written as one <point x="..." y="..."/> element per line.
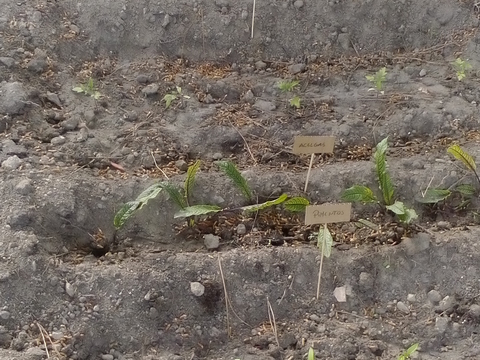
<point x="96" y="95"/>
<point x="267" y="204"/>
<point x="78" y="89"/>
<point x="463" y="156"/>
<point x="359" y="193"/>
<point x="410" y="214"/>
<point x="325" y="241"/>
<point x="296" y="204"/>
<point x="405" y="214"/>
<point x="240" y="182"/>
<point x="190" y="179"/>
<point x="383" y="177"/>
<point x="411" y="349"/>
<point x="433" y="196"/>
<point x="371" y="225"/>
<point x="168" y="99"/>
<point x="125" y="213"/>
<point x="174" y="194"/>
<point x="288" y="85"/>
<point x="311" y="354"/>
<point x="398" y="208"/>
<point x="197" y="210"/>
<point x="295" y="102"/>
<point x="465" y="189"/>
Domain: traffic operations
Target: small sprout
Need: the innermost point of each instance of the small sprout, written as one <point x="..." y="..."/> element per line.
<point x="295" y="102"/>
<point x="378" y="79"/>
<point x="461" y="67"/>
<point x="408" y="353"/>
<point x="288" y="85"/>
<point x="174" y="95"/>
<point x="88" y="89"/>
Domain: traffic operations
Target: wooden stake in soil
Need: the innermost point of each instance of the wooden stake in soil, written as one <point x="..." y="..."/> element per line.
<point x="253" y="16"/>
<point x="312" y="145"/>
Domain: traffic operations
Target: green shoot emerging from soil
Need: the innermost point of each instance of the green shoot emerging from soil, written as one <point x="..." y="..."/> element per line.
<point x="364" y="194"/>
<point x="88" y="89"/>
<point x="172" y="96"/>
<point x="461" y="68"/>
<point x="296" y="102"/>
<point x="465" y="158"/>
<point x="408" y="353"/>
<point x="378" y="79"/>
<point x="288" y="85"/>
<point x="311" y="354"/>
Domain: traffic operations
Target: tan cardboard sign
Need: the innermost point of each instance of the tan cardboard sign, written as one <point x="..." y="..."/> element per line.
<point x="327" y="213"/>
<point x="313" y="144"/>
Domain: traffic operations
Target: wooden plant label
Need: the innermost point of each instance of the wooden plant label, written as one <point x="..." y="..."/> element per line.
<point x="313" y="144"/>
<point x="328" y="213"/>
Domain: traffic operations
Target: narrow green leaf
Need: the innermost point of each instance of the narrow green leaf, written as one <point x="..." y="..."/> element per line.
<point x="174" y="194"/>
<point x="240" y="182"/>
<point x="383" y="177"/>
<point x="149" y="193"/>
<point x="325" y="241"/>
<point x="296" y="204"/>
<point x="465" y="189"/>
<point x="197" y="210"/>
<point x="411" y="349"/>
<point x="433" y="196"/>
<point x="359" y="193"/>
<point x="125" y="213"/>
<point x="311" y="354"/>
<point x="463" y="156"/>
<point x="190" y="179"/>
<point x="267" y="204"/>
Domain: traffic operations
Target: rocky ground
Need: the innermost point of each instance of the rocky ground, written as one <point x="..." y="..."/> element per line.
<point x="161" y="85"/>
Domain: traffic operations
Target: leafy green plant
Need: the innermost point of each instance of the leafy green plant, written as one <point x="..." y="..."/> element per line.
<point x="378" y="79"/>
<point x="364" y="194"/>
<point x="288" y="85"/>
<point x="408" y="353"/>
<point x="174" y="95"/>
<point x="296" y="102"/>
<point x="461" y="68"/>
<point x="465" y="158"/>
<point x="88" y="88"/>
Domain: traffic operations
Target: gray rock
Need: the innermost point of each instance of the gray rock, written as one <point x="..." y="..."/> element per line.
<point x="422" y="73"/>
<point x="260" y="65"/>
<point x="54" y="99"/>
<point x="35" y="353"/>
<point x="181" y="165"/>
<point x="296" y="68"/>
<point x="19" y="219"/>
<point x="58" y="140"/>
<point x="419" y="243"/>
<point x="69" y="289"/>
<point x="441" y="323"/>
<point x="411" y="298"/>
<point x="142" y="79"/>
<point x="56" y="335"/>
<point x="37" y="65"/>
<point x="443" y="225"/>
<point x="197" y="288"/>
<point x="434" y="296"/>
<point x="263" y="105"/>
<point x="107" y="357"/>
<point x="24" y="187"/>
<point x="4" y="314"/>
<point x="445" y="304"/>
<point x="298" y="4"/>
<point x="244" y="15"/>
<point x="5" y="337"/>
<point x="10" y="148"/>
<point x="249" y="96"/>
<point x="217" y="156"/>
<point x="153" y="313"/>
<point x="211" y="241"/>
<point x="150" y="90"/>
<point x="403" y="308"/>
<point x="12" y="98"/>
<point x="7" y="61"/>
<point x="71" y="123"/>
<point x="12" y="163"/>
<point x="344" y="41"/>
<point x="366" y="281"/>
<point x="166" y="21"/>
<point x="241" y="229"/>
<point x="475" y="310"/>
<point x="316" y="318"/>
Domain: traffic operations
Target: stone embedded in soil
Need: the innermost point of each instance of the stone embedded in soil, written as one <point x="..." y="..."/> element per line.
<point x="263" y="105"/>
<point x="211" y="241"/>
<point x="366" y="281"/>
<point x="181" y="165"/>
<point x="298" y="4"/>
<point x="24" y="187"/>
<point x="441" y="323"/>
<point x="69" y="289"/>
<point x="445" y="304"/>
<point x="443" y="225"/>
<point x="422" y="73"/>
<point x="403" y="308"/>
<point x="9" y="147"/>
<point x="12" y="163"/>
<point x="344" y="41"/>
<point x="475" y="310"/>
<point x="4" y="314"/>
<point x="197" y="288"/>
<point x="260" y="65"/>
<point x="12" y="98"/>
<point x="418" y="243"/>
<point x="315" y="317"/>
<point x="241" y="229"/>
<point x="150" y="90"/>
<point x="153" y="313"/>
<point x="107" y="357"/>
<point x="434" y="296"/>
<point x="58" y="140"/>
<point x="411" y="298"/>
<point x="7" y="61"/>
<point x="296" y="68"/>
<point x="37" y="65"/>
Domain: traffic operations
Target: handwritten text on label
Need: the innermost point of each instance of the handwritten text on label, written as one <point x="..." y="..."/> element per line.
<point x="313" y="144"/>
<point x="328" y="213"/>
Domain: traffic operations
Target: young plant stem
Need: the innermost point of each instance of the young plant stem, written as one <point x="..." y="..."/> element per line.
<point x="308" y="172"/>
<point x="321" y="265"/>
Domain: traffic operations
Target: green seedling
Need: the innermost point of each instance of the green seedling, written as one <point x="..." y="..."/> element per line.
<point x="88" y="89"/>
<point x="465" y="158"/>
<point x="296" y="102"/>
<point x="378" y="79"/>
<point x="311" y="354"/>
<point x="174" y="95"/>
<point x="364" y="194"/>
<point x="461" y="68"/>
<point x="408" y="353"/>
<point x="288" y="85"/>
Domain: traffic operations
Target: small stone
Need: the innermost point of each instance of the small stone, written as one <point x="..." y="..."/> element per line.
<point x="443" y="225"/>
<point x="411" y="298"/>
<point x="441" y="323"/>
<point x="12" y="163"/>
<point x="54" y="99"/>
<point x="107" y="357"/>
<point x="69" y="289"/>
<point x="35" y="353"/>
<point x="37" y="65"/>
<point x="58" y="140"/>
<point x="263" y="105"/>
<point x="344" y="41"/>
<point x="296" y="68"/>
<point x="434" y="296"/>
<point x="4" y="314"/>
<point x="96" y="308"/>
<point x="366" y="281"/>
<point x="249" y="96"/>
<point x="403" y="308"/>
<point x="316" y="318"/>
<point x="24" y="187"/>
<point x="197" y="288"/>
<point x="150" y="90"/>
<point x="298" y="4"/>
<point x="417" y="244"/>
<point x="181" y="165"/>
<point x="475" y="310"/>
<point x="260" y="65"/>
<point x="56" y="335"/>
<point x="340" y="294"/>
<point x="445" y="304"/>
<point x="422" y="73"/>
<point x="166" y="21"/>
<point x="153" y="313"/>
<point x="75" y="29"/>
<point x="12" y="98"/>
<point x="241" y="229"/>
<point x="244" y="15"/>
<point x="217" y="156"/>
<point x="7" y="61"/>
<point x="142" y="79"/>
<point x="211" y="241"/>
